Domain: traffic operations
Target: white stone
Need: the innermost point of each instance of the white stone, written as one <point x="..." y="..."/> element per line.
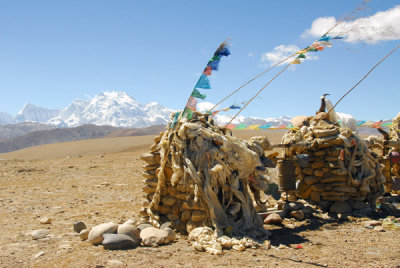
<point x="96" y="234"/>
<point x="115" y="263"/>
<point x="152" y="236"/>
<point x="84" y="234"/>
<point x="41" y="253"/>
<point x="38" y="234"/>
<point x="130" y="230"/>
<point x="45" y="220"/>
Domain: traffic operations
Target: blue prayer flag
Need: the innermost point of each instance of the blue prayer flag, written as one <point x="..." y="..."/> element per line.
<point x="234" y="107"/>
<point x="203" y="82"/>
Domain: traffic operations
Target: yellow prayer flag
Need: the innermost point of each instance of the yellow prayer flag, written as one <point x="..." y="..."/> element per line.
<point x="296" y="61"/>
<point x="302" y="51"/>
<point x="253" y="127"/>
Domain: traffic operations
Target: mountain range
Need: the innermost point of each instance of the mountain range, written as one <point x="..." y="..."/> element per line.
<point x="115" y="108"/>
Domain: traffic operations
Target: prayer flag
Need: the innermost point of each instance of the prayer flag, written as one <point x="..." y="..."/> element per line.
<point x="191" y="104"/>
<point x="234" y="107"/>
<point x="215" y="113"/>
<point x="197" y="94"/>
<point x="265" y="126"/>
<point x="325" y="38"/>
<point x="338" y="37"/>
<point x="203" y="82"/>
<point x="241" y="126"/>
<point x="296" y="61"/>
<point x="301" y="51"/>
<point x="325" y="44"/>
<point x="312" y="49"/>
<point x="361" y="123"/>
<point x="207" y="71"/>
<point x="213" y="64"/>
<point x="223" y="51"/>
<point x="174" y="120"/>
<point x="255" y="127"/>
<point x="230" y="126"/>
<point x="301" y="56"/>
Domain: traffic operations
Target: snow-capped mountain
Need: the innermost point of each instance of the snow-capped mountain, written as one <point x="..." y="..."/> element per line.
<point x="33" y="113"/>
<point x="6" y="118"/>
<point x="116" y="109"/>
<point x="274" y="122"/>
<point x="113" y="108"/>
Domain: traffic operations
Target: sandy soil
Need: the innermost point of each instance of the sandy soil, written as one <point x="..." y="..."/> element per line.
<point x="99" y="181"/>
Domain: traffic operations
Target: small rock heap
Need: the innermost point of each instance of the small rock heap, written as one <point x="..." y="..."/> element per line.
<point x="388" y="150"/>
<point x="342" y="172"/>
<point x="198" y="174"/>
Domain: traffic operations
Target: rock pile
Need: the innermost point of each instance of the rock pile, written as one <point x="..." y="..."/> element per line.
<point x="388" y="149"/>
<point x="126" y="235"/>
<point x="342" y="171"/>
<point x="198" y="174"/>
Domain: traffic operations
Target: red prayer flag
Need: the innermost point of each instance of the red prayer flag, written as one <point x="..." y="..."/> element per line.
<point x="191" y="104"/>
<point x="207" y="71"/>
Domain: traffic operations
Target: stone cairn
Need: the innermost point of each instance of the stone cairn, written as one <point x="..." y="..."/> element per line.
<point x="388" y="150"/>
<point x="197" y="174"/>
<point x="341" y="173"/>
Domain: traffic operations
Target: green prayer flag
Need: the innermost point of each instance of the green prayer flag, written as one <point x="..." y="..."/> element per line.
<point x="312" y="49"/>
<point x="301" y="56"/>
<point x="197" y="94"/>
<point x="241" y="126"/>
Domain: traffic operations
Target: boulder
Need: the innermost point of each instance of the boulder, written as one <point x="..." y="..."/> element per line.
<point x="274" y="219"/>
<point x="96" y="234"/>
<point x="340" y="207"/>
<point x="152" y="236"/>
<point x="130" y="230"/>
<point x="119" y="241"/>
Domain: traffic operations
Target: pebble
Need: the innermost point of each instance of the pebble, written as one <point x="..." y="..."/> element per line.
<point x="119" y="241"/>
<point x="298" y="215"/>
<point x="79" y="226"/>
<point x="274" y="219"/>
<point x="152" y="236"/>
<point x="372" y="223"/>
<point x="84" y="234"/>
<point x="41" y="253"/>
<point x="379" y="229"/>
<point x="45" y="220"/>
<point x="115" y="263"/>
<point x="96" y="234"/>
<point x="38" y="234"/>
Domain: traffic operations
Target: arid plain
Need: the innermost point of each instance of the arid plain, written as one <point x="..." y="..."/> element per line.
<point x="98" y="181"/>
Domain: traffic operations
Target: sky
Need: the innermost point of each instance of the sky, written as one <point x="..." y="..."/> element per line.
<point x="53" y="52"/>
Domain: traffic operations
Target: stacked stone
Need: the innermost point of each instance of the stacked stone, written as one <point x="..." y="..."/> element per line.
<point x="174" y="205"/>
<point x="341" y="167"/>
<point x="388" y="152"/>
<point x="197" y="174"/>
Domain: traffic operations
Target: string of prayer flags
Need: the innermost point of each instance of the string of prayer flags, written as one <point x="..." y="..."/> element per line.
<point x="204" y="82"/>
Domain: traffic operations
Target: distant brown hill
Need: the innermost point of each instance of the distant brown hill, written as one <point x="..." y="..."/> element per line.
<point x="72" y="134"/>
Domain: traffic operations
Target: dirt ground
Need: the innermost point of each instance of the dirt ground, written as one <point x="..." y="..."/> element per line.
<point x="99" y="181"/>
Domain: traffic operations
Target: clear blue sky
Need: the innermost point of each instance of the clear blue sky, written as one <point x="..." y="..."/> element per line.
<point x="52" y="52"/>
